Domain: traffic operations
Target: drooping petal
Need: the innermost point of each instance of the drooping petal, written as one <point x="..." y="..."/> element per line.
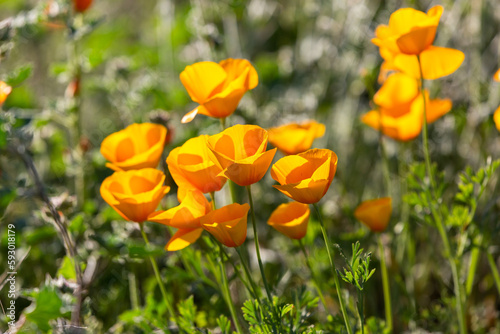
<point x="416" y="40"/>
<point x="291" y="219"/>
<point x="183" y="238"/>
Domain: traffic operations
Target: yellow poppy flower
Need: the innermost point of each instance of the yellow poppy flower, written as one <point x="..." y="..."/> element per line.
<point x="228" y="224"/>
<point x="401" y="108"/>
<point x="305" y="177"/>
<point x="375" y="214"/>
<point x="291" y="219"/>
<point x="410" y="33"/>
<point x="5" y="90"/>
<point x="218" y="88"/>
<point x="135" y="147"/>
<point x="295" y="138"/>
<point x="241" y="152"/>
<point x="496" y="76"/>
<point x="191" y="167"/>
<point x="134" y="194"/>
<point x="496" y="118"/>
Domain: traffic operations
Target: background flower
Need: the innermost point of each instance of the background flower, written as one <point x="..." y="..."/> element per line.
<point x="135" y="147"/>
<point x="375" y="214"/>
<point x="228" y="224"/>
<point x="291" y="219"/>
<point x="295" y="138"/>
<point x="218" y="88"/>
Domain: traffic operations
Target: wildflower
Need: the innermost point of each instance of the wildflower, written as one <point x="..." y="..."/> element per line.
<point x="185" y="217"/>
<point x="241" y="152"/>
<point x="218" y="88"/>
<point x="135" y="147"/>
<point x="134" y="194"/>
<point x="81" y="5"/>
<point x="401" y="107"/>
<point x="295" y="138"/>
<point x="4" y="91"/>
<point x="496" y="118"/>
<point x="410" y="33"/>
<point x="192" y="168"/>
<point x="496" y="76"/>
<point x="305" y="177"/>
<point x="291" y="219"/>
<point x="375" y="214"/>
<point x="228" y="224"/>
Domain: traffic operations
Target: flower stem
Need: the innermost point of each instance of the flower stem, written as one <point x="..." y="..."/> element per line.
<point x="335" y="275"/>
<point x="254" y="291"/>
<point x="385" y="284"/>
<point x="361" y="310"/>
<point x="158" y="278"/>
<point x="474" y="259"/>
<point x="226" y="293"/>
<point x="315" y="279"/>
<point x="257" y="248"/>
<point x="437" y="218"/>
<point x="494" y="270"/>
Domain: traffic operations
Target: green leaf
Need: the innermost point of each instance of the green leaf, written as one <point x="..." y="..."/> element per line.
<point x="19" y="75"/>
<point x="46" y="307"/>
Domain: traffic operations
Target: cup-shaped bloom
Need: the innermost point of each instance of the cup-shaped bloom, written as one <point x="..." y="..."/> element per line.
<point x="134" y="194"/>
<point x="192" y="167"/>
<point x="135" y="147"/>
<point x="241" y="152"/>
<point x="218" y="88"/>
<point x="81" y="5"/>
<point x="5" y="90"/>
<point x="401" y="107"/>
<point x="295" y="138"/>
<point x="291" y="219"/>
<point x="305" y="177"/>
<point x="496" y="118"/>
<point x="410" y="33"/>
<point x="228" y="224"/>
<point x="186" y="217"/>
<point x="375" y="214"/>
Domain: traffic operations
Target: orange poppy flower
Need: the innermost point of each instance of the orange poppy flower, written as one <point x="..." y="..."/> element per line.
<point x="291" y="219"/>
<point x="81" y="5"/>
<point x="241" y="152"/>
<point x="135" y="147"/>
<point x="134" y="194"/>
<point x="305" y="177"/>
<point x="295" y="138"/>
<point x="218" y="88"/>
<point x="186" y="217"/>
<point x="4" y="91"/>
<point x="496" y="118"/>
<point x="496" y="76"/>
<point x="400" y="113"/>
<point x="410" y="33"/>
<point x="228" y="224"/>
<point x="191" y="167"/>
<point x="375" y="214"/>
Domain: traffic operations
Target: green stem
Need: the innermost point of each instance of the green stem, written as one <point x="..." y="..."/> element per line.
<point x="223" y="123"/>
<point x="385" y="285"/>
<point x="494" y="270"/>
<point x="361" y="311"/>
<point x="335" y="275"/>
<point x="254" y="291"/>
<point x="158" y="278"/>
<point x="134" y="295"/>
<point x="474" y="259"/>
<point x="226" y="293"/>
<point x="257" y="248"/>
<point x="439" y="223"/>
<point x="315" y="279"/>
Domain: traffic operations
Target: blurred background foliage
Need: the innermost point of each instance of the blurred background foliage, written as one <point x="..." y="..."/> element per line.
<point x="314" y="59"/>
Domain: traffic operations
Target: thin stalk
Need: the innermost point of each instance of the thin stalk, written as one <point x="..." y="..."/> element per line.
<point x="439" y="223"/>
<point x="255" y="290"/>
<point x="361" y="311"/>
<point x="134" y="294"/>
<point x="474" y="259"/>
<point x="385" y="285"/>
<point x="315" y="279"/>
<point x="494" y="270"/>
<point x="226" y="293"/>
<point x="158" y="278"/>
<point x="257" y="248"/>
<point x="335" y="275"/>
<point x="425" y="130"/>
